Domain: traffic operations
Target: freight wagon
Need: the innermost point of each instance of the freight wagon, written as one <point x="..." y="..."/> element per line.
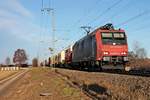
<point x="61" y="59"/>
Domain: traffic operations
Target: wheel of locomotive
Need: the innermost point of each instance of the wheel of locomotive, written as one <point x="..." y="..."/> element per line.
<point x="82" y="66"/>
<point x="91" y="66"/>
<point x="125" y="69"/>
<point x="100" y="64"/>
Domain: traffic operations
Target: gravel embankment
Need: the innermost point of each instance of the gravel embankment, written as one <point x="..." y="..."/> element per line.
<point x="111" y="86"/>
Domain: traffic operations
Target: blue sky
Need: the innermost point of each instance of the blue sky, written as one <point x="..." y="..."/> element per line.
<point x="23" y="26"/>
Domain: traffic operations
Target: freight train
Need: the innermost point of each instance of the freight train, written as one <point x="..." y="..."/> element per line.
<point x="105" y="46"/>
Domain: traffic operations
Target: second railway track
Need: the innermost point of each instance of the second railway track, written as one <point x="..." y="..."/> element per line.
<point x="5" y="83"/>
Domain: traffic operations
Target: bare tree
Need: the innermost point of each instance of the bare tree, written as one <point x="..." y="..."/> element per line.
<point x="139" y="51"/>
<point x="20" y="57"/>
<point x="7" y="61"/>
<point x="35" y="62"/>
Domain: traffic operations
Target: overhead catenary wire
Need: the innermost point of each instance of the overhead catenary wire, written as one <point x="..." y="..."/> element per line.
<point x="42" y="4"/>
<point x="90" y="9"/>
<point x="143" y="27"/>
<point x="41" y="31"/>
<point x="128" y="5"/>
<point x="133" y="18"/>
<point x="49" y="3"/>
<point x="87" y="12"/>
<point x="121" y="10"/>
<point x="105" y="11"/>
<point x="44" y="25"/>
<point x="43" y="34"/>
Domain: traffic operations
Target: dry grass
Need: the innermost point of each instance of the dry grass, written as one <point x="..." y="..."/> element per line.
<point x="42" y="80"/>
<point x="113" y="86"/>
<point x="141" y="64"/>
<point x="106" y="86"/>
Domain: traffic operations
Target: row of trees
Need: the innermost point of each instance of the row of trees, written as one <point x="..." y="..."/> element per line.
<point x="138" y="51"/>
<point x="19" y="58"/>
<point x="138" y="57"/>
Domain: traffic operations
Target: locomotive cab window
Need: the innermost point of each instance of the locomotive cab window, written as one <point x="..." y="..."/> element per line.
<point x="119" y="38"/>
<point x="107" y="38"/>
<point x="116" y="37"/>
<point x="119" y="35"/>
<point x="107" y="35"/>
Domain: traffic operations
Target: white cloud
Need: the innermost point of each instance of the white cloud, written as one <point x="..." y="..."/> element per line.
<point x="15" y="6"/>
<point x="17" y="20"/>
<point x="22" y="29"/>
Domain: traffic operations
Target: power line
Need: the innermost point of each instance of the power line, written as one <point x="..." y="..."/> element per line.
<point x="42" y="4"/>
<point x="49" y="3"/>
<point x="128" y="5"/>
<point x="46" y="10"/>
<point x="141" y="28"/>
<point x="42" y="24"/>
<point x="105" y="11"/>
<point x="90" y="9"/>
<point x="133" y="18"/>
<point x="86" y="13"/>
<point x="145" y="26"/>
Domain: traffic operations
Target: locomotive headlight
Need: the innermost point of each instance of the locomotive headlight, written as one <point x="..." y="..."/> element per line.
<point x="123" y="53"/>
<point x="105" y="53"/>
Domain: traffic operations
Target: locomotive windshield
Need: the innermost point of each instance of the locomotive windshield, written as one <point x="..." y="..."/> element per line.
<point x="119" y="35"/>
<point x="116" y="37"/>
<point x="107" y="38"/>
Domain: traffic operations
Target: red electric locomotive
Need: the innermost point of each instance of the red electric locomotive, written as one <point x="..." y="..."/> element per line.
<point x="104" y="46"/>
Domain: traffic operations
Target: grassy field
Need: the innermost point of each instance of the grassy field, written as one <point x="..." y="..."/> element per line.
<point x="43" y="80"/>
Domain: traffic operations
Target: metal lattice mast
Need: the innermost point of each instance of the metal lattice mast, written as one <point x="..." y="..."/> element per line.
<point x="50" y="11"/>
<point x="53" y="31"/>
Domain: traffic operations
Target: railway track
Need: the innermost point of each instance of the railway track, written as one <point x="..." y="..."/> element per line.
<point x="5" y="83"/>
<point x="142" y="73"/>
<point x="132" y="72"/>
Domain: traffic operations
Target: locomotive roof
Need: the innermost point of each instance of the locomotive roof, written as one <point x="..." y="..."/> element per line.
<point x="106" y="28"/>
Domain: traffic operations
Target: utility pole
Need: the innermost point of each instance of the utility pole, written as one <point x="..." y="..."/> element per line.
<point x="53" y="30"/>
<point x="50" y="11"/>
<point x="87" y="29"/>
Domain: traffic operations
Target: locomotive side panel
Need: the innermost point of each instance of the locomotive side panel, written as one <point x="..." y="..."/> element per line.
<point x="85" y="49"/>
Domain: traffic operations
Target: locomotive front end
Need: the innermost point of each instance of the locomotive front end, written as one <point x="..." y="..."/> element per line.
<point x="112" y="47"/>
